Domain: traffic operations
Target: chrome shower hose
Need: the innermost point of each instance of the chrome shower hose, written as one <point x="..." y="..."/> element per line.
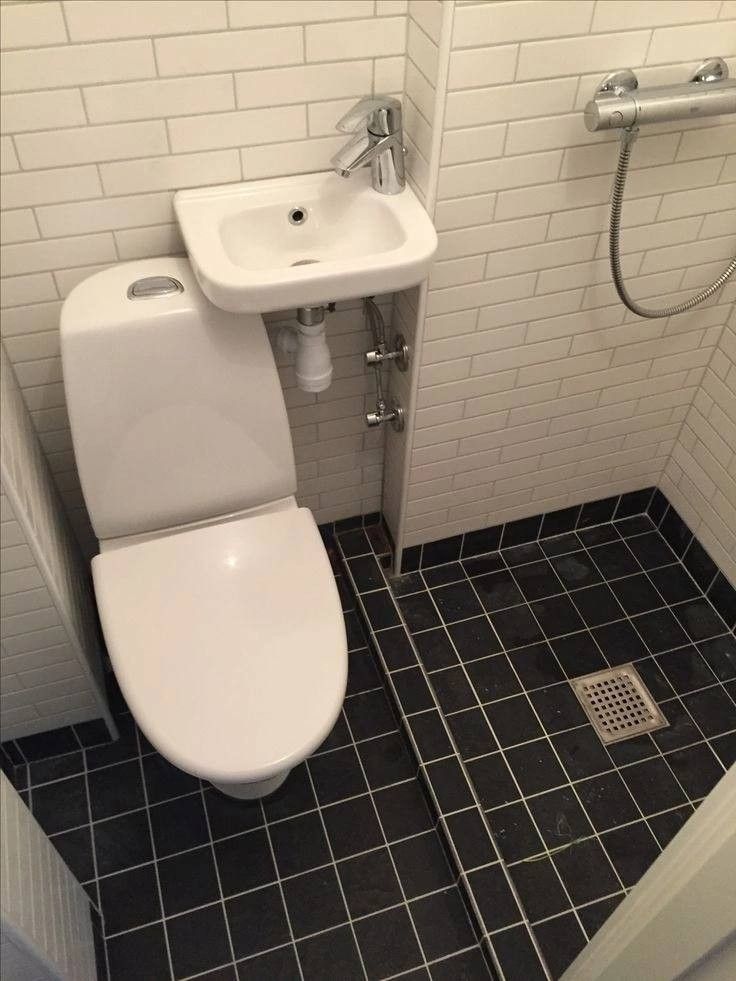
<point x="617" y="199"/>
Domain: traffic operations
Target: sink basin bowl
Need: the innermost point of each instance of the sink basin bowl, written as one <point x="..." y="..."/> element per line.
<point x="303" y="241"/>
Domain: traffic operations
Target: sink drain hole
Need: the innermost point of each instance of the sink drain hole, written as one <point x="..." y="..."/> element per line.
<point x="297" y="216"/>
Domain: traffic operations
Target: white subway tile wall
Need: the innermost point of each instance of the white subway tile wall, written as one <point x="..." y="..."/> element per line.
<point x="108" y="107"/>
<point x="45" y="925"/>
<point x="49" y="658"/>
<point x="536" y="388"/>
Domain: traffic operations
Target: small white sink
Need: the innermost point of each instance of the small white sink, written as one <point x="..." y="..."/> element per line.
<point x="303" y="241"/>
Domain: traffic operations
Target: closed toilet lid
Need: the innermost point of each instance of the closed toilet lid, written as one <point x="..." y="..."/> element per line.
<point x="228" y="642"/>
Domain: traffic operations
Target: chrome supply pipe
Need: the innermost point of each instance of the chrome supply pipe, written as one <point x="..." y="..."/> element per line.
<point x="618" y="103"/>
<point x="384" y="411"/>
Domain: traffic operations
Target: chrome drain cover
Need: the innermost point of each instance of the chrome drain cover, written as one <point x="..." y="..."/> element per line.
<point x="618" y="703"/>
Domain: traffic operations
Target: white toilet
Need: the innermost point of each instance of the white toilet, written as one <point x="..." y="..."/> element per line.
<point x="217" y="600"/>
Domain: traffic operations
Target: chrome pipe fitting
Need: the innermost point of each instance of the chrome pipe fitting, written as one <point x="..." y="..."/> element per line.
<point x="399" y="354"/>
<point x="386" y="412"/>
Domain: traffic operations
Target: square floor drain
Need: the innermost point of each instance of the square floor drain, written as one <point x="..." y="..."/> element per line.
<point x="618" y="703"/>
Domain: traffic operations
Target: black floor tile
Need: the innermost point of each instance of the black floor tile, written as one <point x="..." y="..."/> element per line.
<point x="660" y="630"/>
<point x="244" y="862"/>
<point x="521" y="554"/>
<point x="403" y="810"/>
<point x="681" y="730"/>
<point x="468" y="964"/>
<point x="725" y="748"/>
<point x="539" y="888"/>
<point x="493" y="781"/>
<point x="198" y="940"/>
<point x="607" y="801"/>
<point x="586" y="871"/>
<point x="178" y="824"/>
<point x="449" y="785"/>
<point x="675" y="532"/>
<point x="362" y="672"/>
<point x="538" y="580"/>
<point x="599" y="535"/>
<point x="366" y="573"/>
<point x="561" y="940"/>
<point x="419" y="611"/>
<point x="75" y="847"/>
<point x="430" y="736"/>
<point x="483" y="565"/>
<point x="279" y="964"/>
<point x="453" y="690"/>
<point x="395" y="647"/>
<point x="435" y="649"/>
<point x="472" y="733"/>
<point x="636" y="594"/>
<point x="685" y="670"/>
<point x="559" y="817"/>
<point x="474" y="638"/>
<point x="115" y="789"/>
<point x="332" y="951"/>
<point x="354" y="631"/>
<point x="674" y="583"/>
<point x="164" y="780"/>
<point x="633" y="750"/>
<point x="442" y="923"/>
<point x="516" y="627"/>
<point x="619" y="642"/>
<point x="594" y="915"/>
<point x="535" y="767"/>
<point x="386" y="760"/>
<point x="596" y="605"/>
<point x="299" y="844"/>
<point x="723" y="597"/>
<point x="189" y="880"/>
<point x="422" y="864"/>
<point x="352" y="827"/>
<point x="651" y="550"/>
<point x="369" y="882"/>
<point x="314" y="901"/>
<point x="471" y="839"/>
<point x="557" y="616"/>
<point x="578" y="653"/>
<point x="457" y="601"/>
<point x="122" y="842"/>
<point x="498" y="590"/>
<point x="354" y="543"/>
<point x="518" y="955"/>
<point x="146" y="946"/>
<point x="561" y="544"/>
<point x="654" y="679"/>
<point x="441" y="575"/>
<point x="61" y="805"/>
<point x="380" y="609"/>
<point x="632" y="850"/>
<point x="387" y="943"/>
<point x="493" y="678"/>
<point x="369" y="714"/>
<point x="653" y="786"/>
<point x="494" y="897"/>
<point x="720" y="653"/>
<point x="699" y="620"/>
<point x="130" y="899"/>
<point x="412" y="691"/>
<point x="514" y="832"/>
<point x="712" y="709"/>
<point x="294" y="796"/>
<point x="536" y="666"/>
<point x="257" y="921"/>
<point x="700" y="565"/>
<point x="665" y="826"/>
<point x="696" y="768"/>
<point x="576" y="570"/>
<point x="228" y="816"/>
<point x="558" y="708"/>
<point x="513" y="721"/>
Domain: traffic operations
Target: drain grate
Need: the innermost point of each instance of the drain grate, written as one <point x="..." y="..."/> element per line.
<point x="618" y="703"/>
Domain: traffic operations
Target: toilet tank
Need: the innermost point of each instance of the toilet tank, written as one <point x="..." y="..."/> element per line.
<point x="176" y="409"/>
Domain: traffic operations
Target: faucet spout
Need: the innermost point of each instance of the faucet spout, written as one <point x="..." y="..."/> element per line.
<point x="377" y="140"/>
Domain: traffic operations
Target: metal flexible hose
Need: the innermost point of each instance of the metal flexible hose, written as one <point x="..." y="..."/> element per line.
<point x="628" y="136"/>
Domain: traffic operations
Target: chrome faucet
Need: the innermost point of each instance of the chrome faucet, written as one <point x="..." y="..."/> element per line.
<point x="377" y="140"/>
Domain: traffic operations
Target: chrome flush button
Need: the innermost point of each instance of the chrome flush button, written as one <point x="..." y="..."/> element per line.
<point x="143" y="289"/>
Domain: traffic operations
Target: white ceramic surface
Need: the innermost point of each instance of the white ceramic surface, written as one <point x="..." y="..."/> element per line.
<point x="247" y="255"/>
<point x="228" y="643"/>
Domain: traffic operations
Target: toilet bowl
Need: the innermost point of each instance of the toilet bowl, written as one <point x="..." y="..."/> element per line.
<point x="216" y="596"/>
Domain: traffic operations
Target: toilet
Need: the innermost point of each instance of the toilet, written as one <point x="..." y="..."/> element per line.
<point x="216" y="596"/>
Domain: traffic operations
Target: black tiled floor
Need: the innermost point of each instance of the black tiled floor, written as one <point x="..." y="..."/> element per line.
<point x="301" y="884"/>
<point x="556" y="609"/>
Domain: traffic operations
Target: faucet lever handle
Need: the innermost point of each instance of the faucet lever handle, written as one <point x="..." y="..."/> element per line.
<point x="381" y="115"/>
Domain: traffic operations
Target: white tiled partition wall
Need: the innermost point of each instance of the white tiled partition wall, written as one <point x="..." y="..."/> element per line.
<point x="50" y="668"/>
<point x="535" y="388"/>
<point x="109" y="106"/>
<point x="45" y="925"/>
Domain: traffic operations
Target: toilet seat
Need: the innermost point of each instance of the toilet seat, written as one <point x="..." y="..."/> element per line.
<point x="228" y="642"/>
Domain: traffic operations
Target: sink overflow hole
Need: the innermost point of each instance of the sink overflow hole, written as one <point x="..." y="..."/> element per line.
<point x="297" y="216"/>
<point x="304" y="262"/>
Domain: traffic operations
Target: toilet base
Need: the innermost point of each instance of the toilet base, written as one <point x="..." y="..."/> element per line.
<point x="252" y="790"/>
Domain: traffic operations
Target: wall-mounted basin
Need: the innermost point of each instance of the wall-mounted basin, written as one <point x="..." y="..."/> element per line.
<point x="303" y="241"/>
